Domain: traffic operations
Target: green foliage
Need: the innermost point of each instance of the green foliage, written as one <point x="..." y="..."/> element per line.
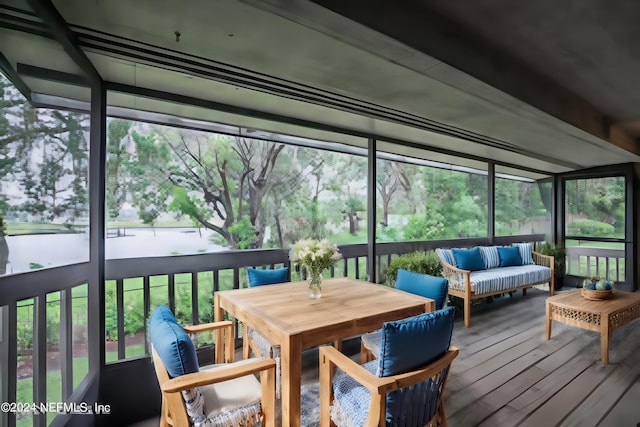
<point x="419" y="262"/>
<point x="35" y="266"/>
<point x="387" y="233"/>
<point x="243" y="234"/>
<point x="590" y="228"/>
<point x="430" y="226"/>
<point x="559" y="257"/>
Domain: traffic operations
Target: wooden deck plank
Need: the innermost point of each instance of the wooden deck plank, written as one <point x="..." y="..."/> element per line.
<point x="489" y="383"/>
<point x="499" y="347"/>
<point x="556" y="409"/>
<point x="626" y="410"/>
<point x="505" y="353"/>
<point x="611" y="390"/>
<point x="497" y="399"/>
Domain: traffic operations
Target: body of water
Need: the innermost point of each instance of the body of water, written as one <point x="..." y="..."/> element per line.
<point x="51" y="250"/>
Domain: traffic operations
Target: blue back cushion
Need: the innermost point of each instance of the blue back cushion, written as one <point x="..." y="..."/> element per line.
<point x="410" y="343"/>
<point x="172" y="343"/>
<point x="509" y="256"/>
<point x="267" y="277"/>
<point x="469" y="259"/>
<point x="424" y="285"/>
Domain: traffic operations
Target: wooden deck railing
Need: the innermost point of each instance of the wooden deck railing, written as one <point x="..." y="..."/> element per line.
<point x="589" y="262"/>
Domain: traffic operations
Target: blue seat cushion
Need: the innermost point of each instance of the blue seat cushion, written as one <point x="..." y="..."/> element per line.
<point x="267" y="277"/>
<point x="351" y="399"/>
<point x="510" y="256"/>
<point x="410" y="343"/>
<point x="172" y="343"/>
<point x="469" y="259"/>
<point x="424" y="285"/>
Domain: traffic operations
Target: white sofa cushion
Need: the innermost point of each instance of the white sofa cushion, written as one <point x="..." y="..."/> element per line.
<point x="503" y="278"/>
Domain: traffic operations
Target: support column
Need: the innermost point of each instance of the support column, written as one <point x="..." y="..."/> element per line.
<point x="372" y="270"/>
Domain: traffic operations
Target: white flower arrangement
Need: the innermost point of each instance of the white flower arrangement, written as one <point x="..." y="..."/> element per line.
<point x="314" y="255"/>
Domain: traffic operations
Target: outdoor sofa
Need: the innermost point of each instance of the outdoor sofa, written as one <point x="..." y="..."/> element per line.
<point x="483" y="271"/>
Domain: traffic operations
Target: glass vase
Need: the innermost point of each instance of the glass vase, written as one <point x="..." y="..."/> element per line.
<point x="314" y="279"/>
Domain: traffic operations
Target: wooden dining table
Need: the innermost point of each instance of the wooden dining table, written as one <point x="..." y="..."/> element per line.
<point x="285" y="315"/>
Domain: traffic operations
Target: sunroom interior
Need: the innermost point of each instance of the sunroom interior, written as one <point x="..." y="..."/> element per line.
<point x="539" y="95"/>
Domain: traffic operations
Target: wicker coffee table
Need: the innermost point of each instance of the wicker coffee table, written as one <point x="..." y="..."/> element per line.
<point x="603" y="316"/>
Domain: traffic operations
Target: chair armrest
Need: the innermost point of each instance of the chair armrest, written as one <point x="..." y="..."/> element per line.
<point x="225" y="331"/>
<point x="458" y="278"/>
<point x="377" y="385"/>
<point x="422" y="374"/>
<point x="203" y="327"/>
<point x="218" y="374"/>
<point x="543" y="260"/>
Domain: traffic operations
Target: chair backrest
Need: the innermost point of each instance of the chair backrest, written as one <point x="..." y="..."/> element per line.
<point x="436" y="288"/>
<point x="174" y="355"/>
<point x="410" y="344"/>
<point x="267" y="277"/>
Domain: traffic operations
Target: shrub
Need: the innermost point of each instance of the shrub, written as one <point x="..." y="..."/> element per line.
<point x="419" y="262"/>
<point x="588" y="227"/>
<point x="559" y="254"/>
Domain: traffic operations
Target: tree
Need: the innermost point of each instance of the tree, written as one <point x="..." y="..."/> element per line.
<point x="216" y="180"/>
<point x="118" y="158"/>
<point x="390" y="177"/>
<point x="259" y="162"/>
<point x="149" y="191"/>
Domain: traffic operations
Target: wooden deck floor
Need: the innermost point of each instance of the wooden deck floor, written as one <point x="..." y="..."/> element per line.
<point x="508" y="374"/>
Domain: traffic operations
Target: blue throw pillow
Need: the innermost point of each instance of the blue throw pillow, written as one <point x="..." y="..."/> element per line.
<point x="424" y="285"/>
<point x="509" y="256"/>
<point x="172" y="343"/>
<point x="267" y="277"/>
<point x="410" y="343"/>
<point x="469" y="259"/>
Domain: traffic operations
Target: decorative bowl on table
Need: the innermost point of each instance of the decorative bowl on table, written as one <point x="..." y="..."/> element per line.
<point x="596" y="289"/>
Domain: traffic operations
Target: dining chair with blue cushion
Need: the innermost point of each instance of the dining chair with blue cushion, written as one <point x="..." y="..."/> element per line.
<point x="403" y="387"/>
<point x="436" y="288"/>
<point x="218" y="395"/>
<point x="253" y="341"/>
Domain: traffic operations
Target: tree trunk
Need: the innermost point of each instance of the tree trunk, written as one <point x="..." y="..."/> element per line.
<point x="279" y="230"/>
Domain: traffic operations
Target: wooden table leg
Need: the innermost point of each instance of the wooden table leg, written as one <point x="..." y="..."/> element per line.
<point x="218" y="315"/>
<point x="291" y="371"/>
<point x="548" y="315"/>
<point x="605" y="333"/>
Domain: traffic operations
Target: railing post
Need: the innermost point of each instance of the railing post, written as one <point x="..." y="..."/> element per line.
<point x="66" y="343"/>
<point x="39" y="356"/>
<point x="120" y="317"/>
